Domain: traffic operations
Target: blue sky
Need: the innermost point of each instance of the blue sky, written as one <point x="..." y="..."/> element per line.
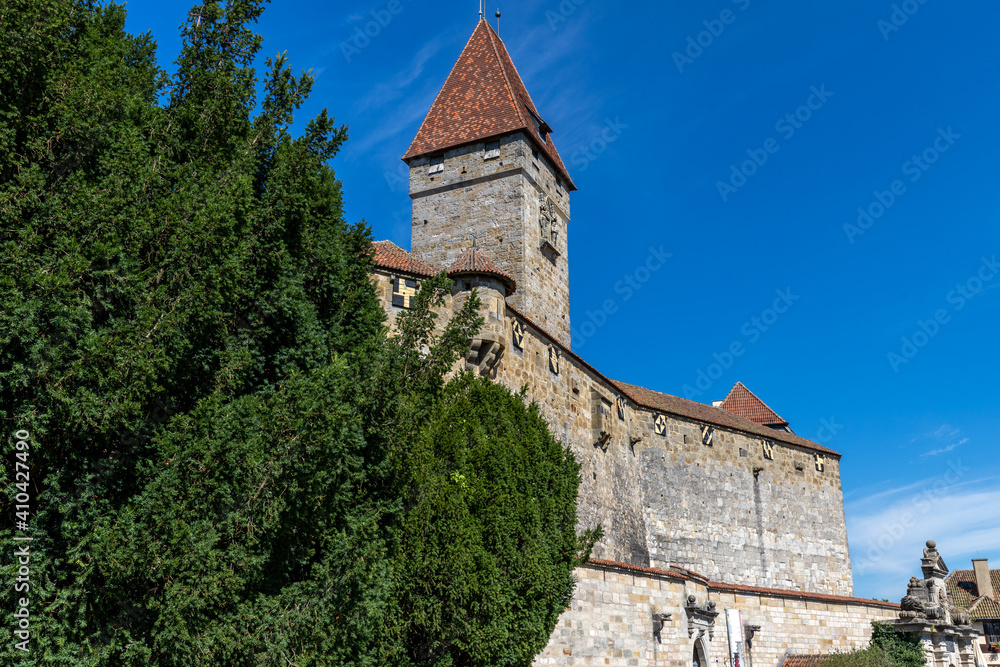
<point x="745" y="136"/>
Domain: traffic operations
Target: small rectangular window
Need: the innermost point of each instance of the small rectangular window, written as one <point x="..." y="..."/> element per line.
<point x="403" y="291"/>
<point x="492" y="150"/>
<point x="437" y="165"/>
<point x="992" y="631"/>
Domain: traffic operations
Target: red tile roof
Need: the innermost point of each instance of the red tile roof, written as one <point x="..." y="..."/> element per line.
<point x="713" y="415"/>
<point x="474" y="261"/>
<point x="984" y="608"/>
<point x="388" y="255"/>
<point x="482" y="98"/>
<point x="678" y="573"/>
<point x="962" y="597"/>
<point x="718" y="586"/>
<point x="803" y="660"/>
<point x="743" y="402"/>
<point x="799" y="595"/>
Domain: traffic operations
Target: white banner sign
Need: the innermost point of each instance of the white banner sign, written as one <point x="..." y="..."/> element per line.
<point x="737" y="655"/>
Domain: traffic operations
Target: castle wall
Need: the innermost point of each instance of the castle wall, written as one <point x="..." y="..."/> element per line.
<point x="610" y="622"/>
<point x="700" y="495"/>
<point x="610" y="492"/>
<point x="496" y="202"/>
<point x="729" y="513"/>
<point x="741" y="510"/>
<point x="671" y="500"/>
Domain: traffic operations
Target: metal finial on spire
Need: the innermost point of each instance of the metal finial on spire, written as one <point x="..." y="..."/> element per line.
<point x="498" y="21"/>
<point x="482" y="8"/>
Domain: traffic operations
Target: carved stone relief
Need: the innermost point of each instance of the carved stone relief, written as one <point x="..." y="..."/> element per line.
<point x="548" y="222"/>
<point x="701" y="618"/>
<point x="485" y="353"/>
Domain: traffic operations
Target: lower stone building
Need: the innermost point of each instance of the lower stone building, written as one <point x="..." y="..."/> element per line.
<point x="628" y="615"/>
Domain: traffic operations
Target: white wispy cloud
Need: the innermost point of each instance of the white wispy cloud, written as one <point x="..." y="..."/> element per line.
<point x="888" y="529"/>
<point x="387" y="91"/>
<point x="946" y="431"/>
<point x="944" y="450"/>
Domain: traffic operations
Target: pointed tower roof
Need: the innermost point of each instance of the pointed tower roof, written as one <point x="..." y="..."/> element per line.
<point x="482" y="98"/>
<point x="475" y="262"/>
<point x="743" y="402"/>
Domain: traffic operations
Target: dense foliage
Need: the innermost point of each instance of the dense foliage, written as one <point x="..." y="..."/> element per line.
<point x="888" y="648"/>
<point x="231" y="461"/>
<point x="487" y="486"/>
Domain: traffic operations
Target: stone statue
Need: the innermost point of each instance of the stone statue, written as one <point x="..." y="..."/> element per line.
<point x="548" y="222"/>
<point x="928" y="600"/>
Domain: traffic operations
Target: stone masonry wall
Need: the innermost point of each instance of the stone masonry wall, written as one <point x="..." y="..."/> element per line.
<point x="670" y="500"/>
<point x="732" y="514"/>
<point x="610" y="622"/>
<point x="726" y="511"/>
<point x="496" y="202"/>
<point x="610" y="493"/>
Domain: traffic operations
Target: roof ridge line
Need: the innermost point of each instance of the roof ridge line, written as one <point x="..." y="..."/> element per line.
<point x="762" y="401"/>
<point x="781" y="436"/>
<point x="743" y="402"/>
<point x="684" y="573"/>
<point x="441" y="89"/>
<point x="503" y="70"/>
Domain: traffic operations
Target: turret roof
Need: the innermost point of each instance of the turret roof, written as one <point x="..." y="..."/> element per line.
<point x="475" y="262"/>
<point x="482" y="98"/>
<point x="391" y="256"/>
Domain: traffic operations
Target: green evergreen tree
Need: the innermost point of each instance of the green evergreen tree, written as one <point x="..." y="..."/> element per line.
<point x="166" y="266"/>
<point x="489" y="535"/>
<point x="230" y="455"/>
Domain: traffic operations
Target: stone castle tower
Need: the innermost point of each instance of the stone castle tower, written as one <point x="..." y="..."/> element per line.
<point x="705" y="507"/>
<point x="484" y="172"/>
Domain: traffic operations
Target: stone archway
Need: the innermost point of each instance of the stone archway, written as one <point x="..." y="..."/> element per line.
<point x="699" y="657"/>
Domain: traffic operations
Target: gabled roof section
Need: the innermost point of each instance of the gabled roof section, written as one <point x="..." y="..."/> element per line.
<point x="475" y="262"/>
<point x="390" y="256"/>
<point x="713" y="415"/>
<point x="984" y="608"/>
<point x="966" y="597"/>
<point x="682" y="407"/>
<point x="483" y="97"/>
<point x="743" y="402"/>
